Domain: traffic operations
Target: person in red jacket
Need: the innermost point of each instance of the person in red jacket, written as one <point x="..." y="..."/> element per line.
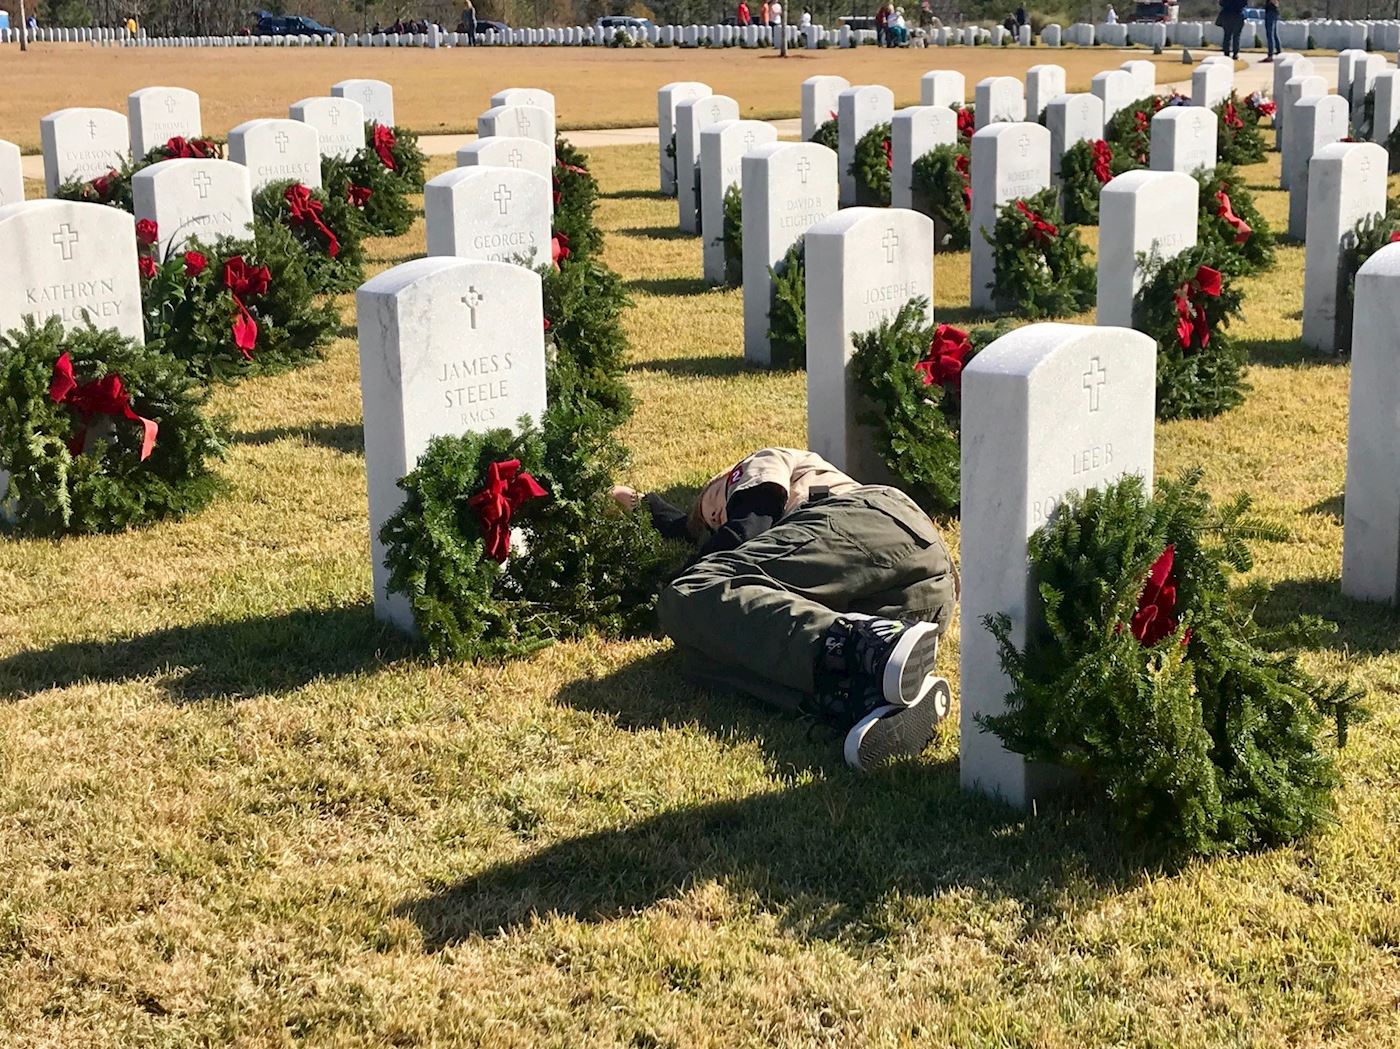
<point x="744" y="18"/>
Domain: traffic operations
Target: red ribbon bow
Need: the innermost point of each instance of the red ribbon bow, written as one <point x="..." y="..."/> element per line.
<point x="1103" y="161"/>
<point x="1232" y="117"/>
<point x="306" y="210"/>
<point x="967" y="122"/>
<point x="192" y="148"/>
<point x="1191" y="310"/>
<point x="559" y="249"/>
<point x="1155" y="617"/>
<point x="889" y="155"/>
<point x="1141" y="120"/>
<point x="943" y="364"/>
<point x="358" y="196"/>
<point x="1242" y="228"/>
<point x="384" y="143"/>
<point x="102" y="184"/>
<point x="961" y="166"/>
<point x="243" y="280"/>
<point x="105" y="396"/>
<point x="1395" y="237"/>
<point x="507" y="489"/>
<point x="1041" y="232"/>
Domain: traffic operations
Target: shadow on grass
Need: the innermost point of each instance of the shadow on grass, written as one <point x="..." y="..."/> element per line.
<point x="213" y="661"/>
<point x="655" y="232"/>
<point x="340" y="437"/>
<point x="1363" y="627"/>
<point x="696" y="367"/>
<point x="1283" y="353"/>
<point x="635" y="194"/>
<point x="1333" y="507"/>
<point x="838" y="856"/>
<point x="669" y="286"/>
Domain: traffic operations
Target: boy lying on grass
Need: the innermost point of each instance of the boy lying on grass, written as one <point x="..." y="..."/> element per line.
<point x="815" y="593"/>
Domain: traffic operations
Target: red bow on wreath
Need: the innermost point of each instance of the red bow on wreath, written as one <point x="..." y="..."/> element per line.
<point x="943" y="364"/>
<point x="306" y="211"/>
<point x="1155" y="617"/>
<point x="358" y="196"/>
<point x="181" y="148"/>
<point x="1191" y="317"/>
<point x="960" y="164"/>
<point x="1103" y="161"/>
<point x="105" y="396"/>
<point x="384" y="143"/>
<point x="559" y="249"/>
<point x="1395" y="237"/>
<point x="102" y="184"/>
<point x="1041" y="232"/>
<point x="967" y="122"/>
<point x="1232" y="117"/>
<point x="1226" y="212"/>
<point x="889" y="155"/>
<point x="1141" y="120"/>
<point x="507" y="489"/>
<point x="244" y="280"/>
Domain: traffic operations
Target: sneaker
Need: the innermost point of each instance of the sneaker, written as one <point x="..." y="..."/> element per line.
<point x="894" y="656"/>
<point x="1265" y="60"/>
<point x="888" y="731"/>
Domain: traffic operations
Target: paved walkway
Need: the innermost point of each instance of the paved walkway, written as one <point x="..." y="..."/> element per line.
<point x="1258" y="76"/>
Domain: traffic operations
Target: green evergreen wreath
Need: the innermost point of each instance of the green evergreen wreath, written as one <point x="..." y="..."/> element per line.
<point x="371" y="188"/>
<point x="585" y="566"/>
<point x="1082" y="168"/>
<point x="787" y="311"/>
<point x="1240" y="141"/>
<point x="732" y="237"/>
<point x="1144" y="673"/>
<point x="575" y="200"/>
<point x="1392" y="147"/>
<point x="871" y="167"/>
<point x="1041" y="270"/>
<point x="909" y="374"/>
<point x="1129" y="131"/>
<point x="334" y="248"/>
<point x="1367" y="238"/>
<point x="1199" y="367"/>
<point x="114" y="187"/>
<point x="828" y="134"/>
<point x="399" y="145"/>
<point x="1256" y="253"/>
<point x="76" y="463"/>
<point x="192" y="312"/>
<point x="943" y="191"/>
<point x="583" y="306"/>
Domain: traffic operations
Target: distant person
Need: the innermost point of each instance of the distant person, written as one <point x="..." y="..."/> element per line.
<point x="469" y="23"/>
<point x="1271" y="29"/>
<point x="1112" y="17"/>
<point x="806" y="21"/>
<point x="925" y="15"/>
<point x="764" y="14"/>
<point x="131" y="27"/>
<point x="898" y="29"/>
<point x="1021" y="17"/>
<point x="775" y="19"/>
<point x="1232" y="21"/>
<point x="882" y="25"/>
<point x="743" y="16"/>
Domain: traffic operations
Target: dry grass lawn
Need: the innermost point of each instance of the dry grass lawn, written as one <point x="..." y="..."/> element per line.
<point x="234" y="812"/>
<point x="444" y="91"/>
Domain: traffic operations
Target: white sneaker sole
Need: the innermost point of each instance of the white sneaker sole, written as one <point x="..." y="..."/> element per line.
<point x="898" y="731"/>
<point x="908" y="672"/>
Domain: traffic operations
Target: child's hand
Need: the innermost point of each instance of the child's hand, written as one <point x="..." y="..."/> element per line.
<point x="626" y="497"/>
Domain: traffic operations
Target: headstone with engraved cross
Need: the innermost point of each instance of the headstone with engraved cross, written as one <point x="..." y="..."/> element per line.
<point x="73" y="261"/>
<point x="1184" y="139"/>
<point x="500" y="214"/>
<point x="999" y="99"/>
<point x="1072" y="119"/>
<point x="81" y="143"/>
<point x="1009" y="161"/>
<point x="11" y="174"/>
<point x="820" y="97"/>
<point x="1141" y="213"/>
<point x="339" y="123"/>
<point x="787" y="187"/>
<point x="1047" y="410"/>
<point x="1117" y="88"/>
<point x="517" y="122"/>
<point x="537" y="97"/>
<point x="863" y="265"/>
<point x="1346" y="184"/>
<point x="692" y="116"/>
<point x="191" y="199"/>
<point x="667" y="98"/>
<point x="913" y="132"/>
<point x="858" y="110"/>
<point x="375" y="97"/>
<point x="722" y="147"/>
<point x="1313" y="124"/>
<point x="502" y="152"/>
<point x="158" y="114"/>
<point x="447" y="346"/>
<point x="273" y="150"/>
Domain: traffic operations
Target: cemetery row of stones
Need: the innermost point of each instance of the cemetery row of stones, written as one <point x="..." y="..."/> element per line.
<point x="477" y="436"/>
<point x="1382" y="35"/>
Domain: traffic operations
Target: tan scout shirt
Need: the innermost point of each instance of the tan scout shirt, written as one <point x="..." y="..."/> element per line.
<point x="795" y="470"/>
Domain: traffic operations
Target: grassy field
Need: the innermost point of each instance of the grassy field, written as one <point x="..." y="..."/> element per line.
<point x="235" y="812"/>
<point x="444" y="91"/>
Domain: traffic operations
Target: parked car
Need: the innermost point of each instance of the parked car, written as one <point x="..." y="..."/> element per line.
<point x="622" y="22"/>
<point x="1158" y="11"/>
<point x="485" y="25"/>
<point x="291" y="25"/>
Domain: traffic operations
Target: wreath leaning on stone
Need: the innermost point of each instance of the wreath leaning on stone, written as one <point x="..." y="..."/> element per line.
<point x="1041" y="269"/>
<point x="787" y="311"/>
<point x="329" y="229"/>
<point x="1145" y="673"/>
<point x="871" y="167"/>
<point x="99" y="433"/>
<point x="942" y="183"/>
<point x="1231" y="224"/>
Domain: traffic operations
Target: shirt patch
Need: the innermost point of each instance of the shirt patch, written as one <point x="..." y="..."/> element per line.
<point x="734" y="476"/>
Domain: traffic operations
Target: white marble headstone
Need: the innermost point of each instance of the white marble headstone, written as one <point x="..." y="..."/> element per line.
<point x="1008" y="161"/>
<point x="1072" y="119"/>
<point x="943" y="87"/>
<point x="1184" y="139"/>
<point x="339" y="124"/>
<point x="493" y="214"/>
<point x="858" y="110"/>
<point x="191" y="199"/>
<point x="535" y="97"/>
<point x="526" y="153"/>
<point x="999" y="99"/>
<point x="788" y="187"/>
<point x="1313" y="123"/>
<point x="670" y="96"/>
<point x="1043" y="83"/>
<point x="863" y="265"/>
<point x="1211" y="84"/>
<point x="1118" y="90"/>
<point x="77" y="262"/>
<point x="722" y="148"/>
<point x="11" y="174"/>
<point x="517" y="122"/>
<point x="819" y="101"/>
<point x="692" y="116"/>
<point x="913" y="132"/>
<point x="158" y="114"/>
<point x="274" y="150"/>
<point x="447" y="346"/>
<point x="1144" y="75"/>
<point x="375" y="97"/>
<point x="1346" y="184"/>
<point x="81" y="143"/>
<point x="1047" y="410"/>
<point x="1141" y="212"/>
